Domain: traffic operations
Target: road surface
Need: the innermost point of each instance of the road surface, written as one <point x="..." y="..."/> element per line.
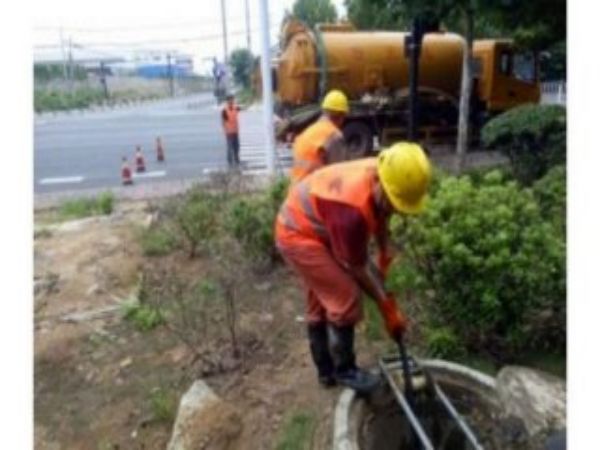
<point x="83" y="150"/>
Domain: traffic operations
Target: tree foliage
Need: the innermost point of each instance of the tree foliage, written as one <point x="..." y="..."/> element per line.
<point x="242" y="63"/>
<point x="491" y="267"/>
<point x="533" y="137"/>
<point x="313" y="12"/>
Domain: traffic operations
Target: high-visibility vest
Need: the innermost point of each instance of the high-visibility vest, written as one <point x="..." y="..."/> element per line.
<point x="231" y="121"/>
<point x="350" y="183"/>
<point x="307" y="146"/>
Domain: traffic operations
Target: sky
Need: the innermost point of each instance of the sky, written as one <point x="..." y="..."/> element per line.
<point x="197" y="33"/>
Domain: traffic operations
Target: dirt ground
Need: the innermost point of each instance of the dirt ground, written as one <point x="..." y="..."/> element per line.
<point x="95" y="373"/>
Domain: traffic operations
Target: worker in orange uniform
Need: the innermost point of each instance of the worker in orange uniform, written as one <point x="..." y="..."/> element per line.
<point x="323" y="230"/>
<point x="321" y="143"/>
<point x="229" y="118"/>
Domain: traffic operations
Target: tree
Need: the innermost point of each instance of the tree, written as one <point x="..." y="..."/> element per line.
<point x="242" y="63"/>
<point x="313" y="12"/>
<point x="377" y="14"/>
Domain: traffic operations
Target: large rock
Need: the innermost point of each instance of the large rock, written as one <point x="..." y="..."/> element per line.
<point x="538" y="399"/>
<point x="204" y="421"/>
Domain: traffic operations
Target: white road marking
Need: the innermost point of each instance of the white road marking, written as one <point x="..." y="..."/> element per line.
<point x="61" y="180"/>
<point x="154" y="174"/>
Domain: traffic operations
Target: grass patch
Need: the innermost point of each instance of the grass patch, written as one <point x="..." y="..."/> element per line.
<point x="143" y="317"/>
<point x="297" y="432"/>
<point x="163" y="404"/>
<point x="85" y="207"/>
<point x="157" y="241"/>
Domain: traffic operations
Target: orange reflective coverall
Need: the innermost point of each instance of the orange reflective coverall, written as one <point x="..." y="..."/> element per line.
<point x="303" y="240"/>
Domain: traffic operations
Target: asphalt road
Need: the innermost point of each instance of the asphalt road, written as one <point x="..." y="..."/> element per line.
<point x="83" y="150"/>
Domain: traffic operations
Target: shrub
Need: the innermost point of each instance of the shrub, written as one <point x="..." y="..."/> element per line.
<point x="491" y="263"/>
<point x="197" y="218"/>
<point x="551" y="194"/>
<point x="251" y="221"/>
<point x="533" y="137"/>
<point x="163" y="404"/>
<point x="84" y="207"/>
<point x="143" y="317"/>
<point x="157" y="241"/>
<point x="443" y="342"/>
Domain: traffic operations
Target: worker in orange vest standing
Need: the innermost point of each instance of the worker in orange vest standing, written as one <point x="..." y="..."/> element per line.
<point x="229" y="118"/>
<point x="140" y="162"/>
<point x="126" y="176"/>
<point x="321" y="143"/>
<point x="160" y="151"/>
<point x="323" y="231"/>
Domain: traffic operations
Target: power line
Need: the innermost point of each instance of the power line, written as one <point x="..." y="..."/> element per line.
<point x="158" y="41"/>
<point x="136" y="27"/>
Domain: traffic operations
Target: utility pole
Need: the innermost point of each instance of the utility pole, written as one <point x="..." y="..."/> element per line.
<point x="62" y="51"/>
<point x="170" y="75"/>
<point x="70" y="63"/>
<point x="267" y="85"/>
<point x="225" y="51"/>
<point x="103" y="80"/>
<point x="248" y="27"/>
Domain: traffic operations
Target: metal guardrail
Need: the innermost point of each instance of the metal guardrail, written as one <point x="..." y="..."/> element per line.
<point x="554" y="92"/>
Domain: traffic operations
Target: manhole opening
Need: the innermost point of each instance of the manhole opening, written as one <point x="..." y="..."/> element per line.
<point x="382" y="424"/>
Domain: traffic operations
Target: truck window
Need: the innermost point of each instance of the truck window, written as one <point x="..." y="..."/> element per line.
<point x="505" y="58"/>
<point x="524" y="67"/>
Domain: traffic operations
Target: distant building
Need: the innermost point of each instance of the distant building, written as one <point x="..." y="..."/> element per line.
<point x="146" y="63"/>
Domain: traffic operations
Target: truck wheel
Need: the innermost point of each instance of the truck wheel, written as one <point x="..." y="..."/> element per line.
<point x="359" y="139"/>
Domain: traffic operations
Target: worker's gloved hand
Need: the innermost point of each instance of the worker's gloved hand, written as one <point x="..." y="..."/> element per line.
<point x="384" y="261"/>
<point x="395" y="321"/>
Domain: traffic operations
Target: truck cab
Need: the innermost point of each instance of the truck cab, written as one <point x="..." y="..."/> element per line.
<point x="505" y="78"/>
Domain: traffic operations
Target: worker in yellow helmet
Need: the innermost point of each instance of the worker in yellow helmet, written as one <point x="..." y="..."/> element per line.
<point x="321" y="143"/>
<point x="323" y="231"/>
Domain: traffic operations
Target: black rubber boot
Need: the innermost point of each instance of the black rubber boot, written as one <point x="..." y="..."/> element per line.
<point x="346" y="372"/>
<point x="319" y="349"/>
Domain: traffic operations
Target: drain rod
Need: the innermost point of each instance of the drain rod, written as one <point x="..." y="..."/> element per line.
<point x="414" y="422"/>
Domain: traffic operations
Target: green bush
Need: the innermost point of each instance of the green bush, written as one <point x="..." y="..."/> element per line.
<point x="84" y="207"/>
<point x="492" y="264"/>
<point x="533" y="137"/>
<point x="163" y="404"/>
<point x="443" y="342"/>
<point x="198" y="218"/>
<point x="157" y="241"/>
<point x="252" y="220"/>
<point x="551" y="194"/>
<point x="50" y="100"/>
<point x="143" y="317"/>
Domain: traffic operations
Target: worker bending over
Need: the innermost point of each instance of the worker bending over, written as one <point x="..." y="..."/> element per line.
<point x="323" y="230"/>
<point x="321" y="143"/>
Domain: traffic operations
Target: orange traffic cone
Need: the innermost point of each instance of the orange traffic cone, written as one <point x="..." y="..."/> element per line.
<point x="160" y="151"/>
<point x="126" y="176"/>
<point x="140" y="163"/>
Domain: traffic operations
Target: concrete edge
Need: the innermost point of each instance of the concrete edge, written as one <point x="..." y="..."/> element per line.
<point x="343" y="438"/>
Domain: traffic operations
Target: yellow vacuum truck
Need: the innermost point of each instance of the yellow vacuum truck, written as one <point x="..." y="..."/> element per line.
<point x="372" y="68"/>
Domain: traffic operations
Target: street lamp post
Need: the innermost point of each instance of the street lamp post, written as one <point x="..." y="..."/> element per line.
<point x="265" y="67"/>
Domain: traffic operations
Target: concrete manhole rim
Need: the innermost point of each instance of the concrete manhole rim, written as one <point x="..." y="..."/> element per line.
<point x="343" y="438"/>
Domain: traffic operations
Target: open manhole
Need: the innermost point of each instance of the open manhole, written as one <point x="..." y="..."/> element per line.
<point x="379" y="423"/>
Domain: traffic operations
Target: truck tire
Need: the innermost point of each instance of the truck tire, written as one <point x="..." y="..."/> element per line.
<point x="359" y="139"/>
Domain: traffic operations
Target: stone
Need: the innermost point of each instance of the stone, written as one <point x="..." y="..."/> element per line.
<point x="536" y="398"/>
<point x="203" y="419"/>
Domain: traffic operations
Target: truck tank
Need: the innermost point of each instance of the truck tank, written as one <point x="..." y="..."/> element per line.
<point x="361" y="62"/>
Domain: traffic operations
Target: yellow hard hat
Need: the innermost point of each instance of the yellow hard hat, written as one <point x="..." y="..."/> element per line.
<point x="405" y="173"/>
<point x="335" y="101"/>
